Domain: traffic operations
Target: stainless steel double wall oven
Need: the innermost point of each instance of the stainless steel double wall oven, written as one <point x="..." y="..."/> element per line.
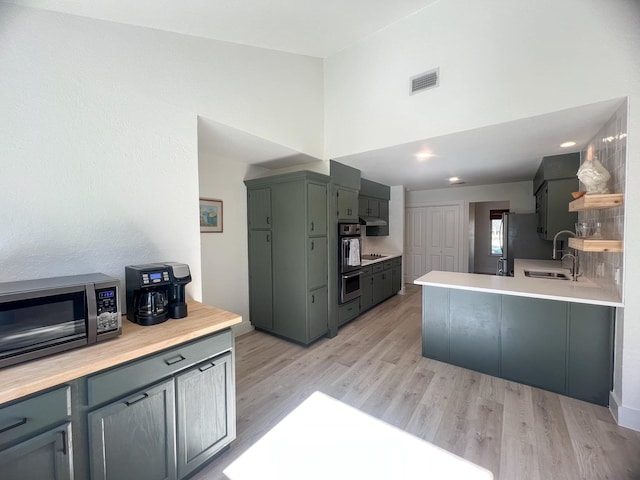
<point x="349" y="261"/>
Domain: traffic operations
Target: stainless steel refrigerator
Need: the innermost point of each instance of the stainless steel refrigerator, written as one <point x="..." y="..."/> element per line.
<point x="520" y="240"/>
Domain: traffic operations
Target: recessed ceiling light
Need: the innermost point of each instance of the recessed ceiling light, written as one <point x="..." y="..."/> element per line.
<point x="424" y="155"/>
<point x="567" y="144"/>
<point x="454" y="179"/>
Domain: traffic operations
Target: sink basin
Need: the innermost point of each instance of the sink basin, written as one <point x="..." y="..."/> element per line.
<point x="543" y="274"/>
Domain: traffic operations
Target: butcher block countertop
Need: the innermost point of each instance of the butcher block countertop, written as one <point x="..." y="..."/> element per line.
<point x="136" y="341"/>
<point x="582" y="291"/>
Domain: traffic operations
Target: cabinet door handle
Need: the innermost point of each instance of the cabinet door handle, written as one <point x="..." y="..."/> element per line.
<point x="139" y="398"/>
<point x="313" y="299"/>
<point x="268" y="238"/>
<point x="268" y="220"/>
<point x="17" y="424"/>
<point x="65" y="448"/>
<point x="206" y="367"/>
<point x="313" y="226"/>
<point x="174" y="360"/>
<point x="313" y="245"/>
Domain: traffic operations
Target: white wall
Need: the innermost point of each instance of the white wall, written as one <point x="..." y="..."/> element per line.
<point x="91" y="179"/>
<point x="495" y="66"/>
<point x="98" y="139"/>
<point x="225" y="266"/>
<point x="273" y="95"/>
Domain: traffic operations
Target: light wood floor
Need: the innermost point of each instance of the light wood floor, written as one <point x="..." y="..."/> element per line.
<point x="375" y="364"/>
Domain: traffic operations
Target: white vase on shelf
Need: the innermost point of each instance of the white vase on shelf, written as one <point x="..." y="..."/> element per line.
<point x="594" y="176"/>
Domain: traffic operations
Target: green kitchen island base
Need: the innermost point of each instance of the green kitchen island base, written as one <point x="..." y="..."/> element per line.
<point x="560" y="346"/>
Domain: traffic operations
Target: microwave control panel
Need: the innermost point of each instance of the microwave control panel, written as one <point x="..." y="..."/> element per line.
<point x="107" y="310"/>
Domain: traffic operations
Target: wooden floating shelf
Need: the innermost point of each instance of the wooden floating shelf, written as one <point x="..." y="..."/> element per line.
<point x="596" y="201"/>
<point x="595" y="244"/>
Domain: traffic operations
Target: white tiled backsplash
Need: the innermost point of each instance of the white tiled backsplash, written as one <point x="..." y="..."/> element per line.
<point x="609" y="146"/>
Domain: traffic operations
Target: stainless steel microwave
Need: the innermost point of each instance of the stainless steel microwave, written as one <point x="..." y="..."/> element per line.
<point x="51" y="315"/>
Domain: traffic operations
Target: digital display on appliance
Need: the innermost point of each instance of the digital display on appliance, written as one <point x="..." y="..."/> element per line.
<point x="155" y="276"/>
<point x="107" y="294"/>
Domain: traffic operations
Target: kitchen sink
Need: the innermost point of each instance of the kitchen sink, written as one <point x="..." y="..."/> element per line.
<point x="543" y="274"/>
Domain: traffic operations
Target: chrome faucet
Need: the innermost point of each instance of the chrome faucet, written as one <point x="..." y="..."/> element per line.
<point x="555" y="238"/>
<point x="574" y="265"/>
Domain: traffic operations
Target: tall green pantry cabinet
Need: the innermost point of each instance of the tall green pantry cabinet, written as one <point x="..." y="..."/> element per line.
<point x="288" y="254"/>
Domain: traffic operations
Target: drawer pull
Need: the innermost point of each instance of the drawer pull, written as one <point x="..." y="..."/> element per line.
<point x="128" y="403"/>
<point x="64" y="442"/>
<point x="14" y="425"/>
<point x="174" y="360"/>
<point x="206" y="367"/>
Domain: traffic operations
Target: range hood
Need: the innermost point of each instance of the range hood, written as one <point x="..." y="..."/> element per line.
<point x="372" y="222"/>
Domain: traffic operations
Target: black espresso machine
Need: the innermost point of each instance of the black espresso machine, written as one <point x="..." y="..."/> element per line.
<point x="155" y="292"/>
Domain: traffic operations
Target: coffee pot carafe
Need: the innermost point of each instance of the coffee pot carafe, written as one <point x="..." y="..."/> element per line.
<point x="148" y="290"/>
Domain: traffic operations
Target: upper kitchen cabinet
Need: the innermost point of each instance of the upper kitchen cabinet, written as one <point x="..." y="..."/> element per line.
<point x="346" y="185"/>
<point x="288" y="259"/>
<point x="552" y="186"/>
<point x="373" y="206"/>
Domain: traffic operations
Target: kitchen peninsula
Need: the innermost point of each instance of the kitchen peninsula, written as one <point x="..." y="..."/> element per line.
<point x="130" y="407"/>
<point x="549" y="333"/>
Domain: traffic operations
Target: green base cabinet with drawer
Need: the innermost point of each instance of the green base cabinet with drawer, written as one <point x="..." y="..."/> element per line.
<point x="289" y="254"/>
<point x="380" y="281"/>
<point x="563" y="347"/>
<point x="135" y="437"/>
<point x="46" y="456"/>
<point x="173" y="426"/>
<point x="36" y="438"/>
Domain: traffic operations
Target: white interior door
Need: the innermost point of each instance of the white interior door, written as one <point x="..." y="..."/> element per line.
<point x="432" y="240"/>
<point x="414" y="249"/>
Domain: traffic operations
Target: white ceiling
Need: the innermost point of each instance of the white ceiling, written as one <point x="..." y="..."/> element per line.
<point x="318" y="28"/>
<point x="495" y="154"/>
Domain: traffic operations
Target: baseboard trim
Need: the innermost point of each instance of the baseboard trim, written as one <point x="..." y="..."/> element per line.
<point x="624" y="416"/>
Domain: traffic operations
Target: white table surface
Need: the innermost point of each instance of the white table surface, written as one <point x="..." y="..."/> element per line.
<point x="326" y="439"/>
<point x="582" y="291"/>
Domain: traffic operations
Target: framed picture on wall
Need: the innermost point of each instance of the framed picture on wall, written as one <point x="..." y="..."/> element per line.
<point x="210" y="215"/>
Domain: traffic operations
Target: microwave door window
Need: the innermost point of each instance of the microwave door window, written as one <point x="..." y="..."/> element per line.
<point x="35" y="324"/>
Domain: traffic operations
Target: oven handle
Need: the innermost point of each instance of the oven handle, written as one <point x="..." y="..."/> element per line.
<point x="351" y="275"/>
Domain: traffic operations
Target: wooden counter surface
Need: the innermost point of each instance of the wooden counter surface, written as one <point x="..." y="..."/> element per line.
<point x="136" y="341"/>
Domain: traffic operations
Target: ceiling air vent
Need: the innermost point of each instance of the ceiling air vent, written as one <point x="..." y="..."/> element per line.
<point x="425" y="81"/>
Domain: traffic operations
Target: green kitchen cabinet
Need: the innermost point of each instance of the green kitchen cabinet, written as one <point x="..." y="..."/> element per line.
<point x="396" y="275"/>
<point x="348" y="311"/>
<point x="36" y="437"/>
<point x="298" y="260"/>
<point x="162" y="416"/>
<point x="260" y="279"/>
<point x="259" y="207"/>
<point x="564" y="347"/>
<point x="205" y="409"/>
<point x="552" y="186"/>
<point x="369" y="207"/>
<point x="366" y="289"/>
<point x="381" y="286"/>
<point x="590" y="352"/>
<point x="347" y="201"/>
<point x="47" y="456"/>
<point x="474" y="330"/>
<point x="435" y="323"/>
<point x="135" y="437"/>
<point x="534" y="342"/>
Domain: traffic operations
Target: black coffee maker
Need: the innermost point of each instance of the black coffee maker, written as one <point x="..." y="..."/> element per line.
<point x="180" y="276"/>
<point x="148" y="289"/>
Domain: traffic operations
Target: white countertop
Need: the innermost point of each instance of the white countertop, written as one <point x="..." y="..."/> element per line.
<point x="387" y="256"/>
<point x="582" y="291"/>
<point x="325" y="439"/>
